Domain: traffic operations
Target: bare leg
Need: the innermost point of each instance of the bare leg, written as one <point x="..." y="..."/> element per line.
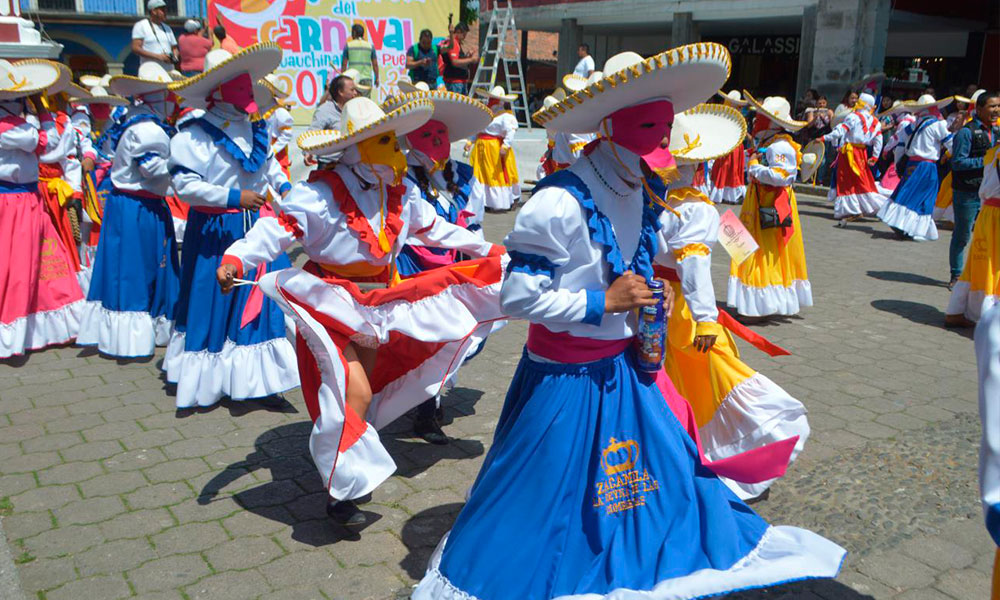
<point x="360" y="362"/>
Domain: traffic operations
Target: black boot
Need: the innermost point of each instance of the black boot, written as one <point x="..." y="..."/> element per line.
<point x="426" y="424"/>
<point x="346" y="513"/>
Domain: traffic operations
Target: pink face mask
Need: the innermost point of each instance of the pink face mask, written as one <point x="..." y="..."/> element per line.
<point x="238" y="91"/>
<point x="431" y="139"/>
<point x="100" y="111"/>
<point x="641" y="128"/>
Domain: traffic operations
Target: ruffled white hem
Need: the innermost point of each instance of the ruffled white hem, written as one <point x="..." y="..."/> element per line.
<point x="123" y="334"/>
<point x="495" y="197"/>
<point x="944" y="214"/>
<point x="756" y="412"/>
<point x="40" y="329"/>
<point x="919" y="227"/>
<point x="729" y="195"/>
<point x="850" y="205"/>
<point x="784" y="554"/>
<point x="771" y="300"/>
<point x="971" y="303"/>
<point x="240" y="372"/>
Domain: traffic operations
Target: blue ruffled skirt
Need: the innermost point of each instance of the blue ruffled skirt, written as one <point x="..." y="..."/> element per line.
<point x="592" y="485"/>
<point x="911" y="207"/>
<point x="136" y="278"/>
<point x="211" y="354"/>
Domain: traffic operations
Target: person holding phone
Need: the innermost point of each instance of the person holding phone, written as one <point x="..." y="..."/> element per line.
<point x="422" y="60"/>
<point x="153" y="40"/>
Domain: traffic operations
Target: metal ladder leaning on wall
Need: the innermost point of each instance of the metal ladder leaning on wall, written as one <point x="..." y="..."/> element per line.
<point x="497" y="49"/>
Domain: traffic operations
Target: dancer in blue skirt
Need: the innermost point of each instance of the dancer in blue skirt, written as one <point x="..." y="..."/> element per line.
<point x="595" y="486"/>
<point x="136" y="275"/>
<point x="223" y="167"/>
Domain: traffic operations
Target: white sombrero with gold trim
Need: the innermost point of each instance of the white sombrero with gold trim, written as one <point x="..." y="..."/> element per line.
<point x="813" y="155"/>
<point x="151" y="78"/>
<point x="706" y="132"/>
<point x="575" y="83"/>
<point x="273" y="85"/>
<point x="361" y="119"/>
<point x="221" y="66"/>
<point x="685" y="76"/>
<point x="408" y="87"/>
<point x="28" y="77"/>
<point x="777" y="109"/>
<point x="498" y="93"/>
<point x="98" y="95"/>
<point x="354" y="75"/>
<point x="733" y="98"/>
<point x="557" y="96"/>
<point x="461" y="114"/>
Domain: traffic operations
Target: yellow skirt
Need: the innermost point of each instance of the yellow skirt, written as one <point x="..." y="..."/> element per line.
<point x="943" y="201"/>
<point x="978" y="287"/>
<point x="488" y="168"/>
<point x="774" y="280"/>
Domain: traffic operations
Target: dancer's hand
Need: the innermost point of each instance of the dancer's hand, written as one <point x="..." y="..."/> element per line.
<point x="627" y="292"/>
<point x="225" y="276"/>
<point x="504" y="151"/>
<point x="251" y="200"/>
<point x="668" y="297"/>
<point x="704" y="343"/>
<point x="88" y="164"/>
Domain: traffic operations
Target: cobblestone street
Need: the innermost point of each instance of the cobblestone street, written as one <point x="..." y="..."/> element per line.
<point x="105" y="493"/>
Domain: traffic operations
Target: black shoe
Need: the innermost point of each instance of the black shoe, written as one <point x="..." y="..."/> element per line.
<point x="346" y="512"/>
<point x="764" y="496"/>
<point x="951" y="284"/>
<point x="430" y="431"/>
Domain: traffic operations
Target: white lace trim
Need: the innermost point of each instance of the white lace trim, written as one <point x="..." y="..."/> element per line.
<point x="919" y="227"/>
<point x="124" y="334"/>
<point x="771" y="300"/>
<point x="40" y="329"/>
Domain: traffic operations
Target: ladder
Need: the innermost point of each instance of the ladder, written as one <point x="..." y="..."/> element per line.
<point x="502" y="47"/>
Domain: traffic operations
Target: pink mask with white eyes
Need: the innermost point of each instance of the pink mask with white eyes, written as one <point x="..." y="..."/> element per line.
<point x="642" y="128"/>
<point x="238" y="91"/>
<point x="431" y="139"/>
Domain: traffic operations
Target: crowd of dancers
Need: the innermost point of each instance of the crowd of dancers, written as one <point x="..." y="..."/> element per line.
<point x="602" y="478"/>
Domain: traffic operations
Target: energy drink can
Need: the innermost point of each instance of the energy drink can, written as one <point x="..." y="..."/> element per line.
<point x="652" y="334"/>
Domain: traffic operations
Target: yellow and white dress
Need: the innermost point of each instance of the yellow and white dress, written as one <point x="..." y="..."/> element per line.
<point x="774" y="280"/>
<point x="979" y="286"/>
<point x="736" y="408"/>
<point x="495" y="183"/>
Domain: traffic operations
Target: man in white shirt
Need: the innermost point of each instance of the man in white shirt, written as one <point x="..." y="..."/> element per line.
<point x="152" y="39"/>
<point x="586" y="65"/>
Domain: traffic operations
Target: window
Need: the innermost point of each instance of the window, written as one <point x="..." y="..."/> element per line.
<point x="61" y="5"/>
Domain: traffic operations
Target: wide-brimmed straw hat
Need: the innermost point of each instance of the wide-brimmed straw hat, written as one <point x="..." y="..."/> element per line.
<point x="273" y="85"/>
<point x="557" y="96"/>
<point x="575" y="83"/>
<point x="685" y="76"/>
<point x="95" y="80"/>
<point x="362" y="118"/>
<point x="733" y="98"/>
<point x="706" y="132"/>
<point x="354" y="75"/>
<point x="497" y="93"/>
<point x="922" y="103"/>
<point x="778" y="110"/>
<point x="98" y="95"/>
<point x="812" y="159"/>
<point x="32" y="76"/>
<point x="461" y="114"/>
<point x="408" y="87"/>
<point x="150" y="78"/>
<point x="221" y="66"/>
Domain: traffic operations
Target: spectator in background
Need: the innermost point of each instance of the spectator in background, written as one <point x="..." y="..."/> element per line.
<point x="422" y="60"/>
<point x="225" y="42"/>
<point x="360" y="55"/>
<point x="456" y="61"/>
<point x="327" y="114"/>
<point x="192" y="46"/>
<point x="819" y="119"/>
<point x="152" y="40"/>
<point x="585" y="66"/>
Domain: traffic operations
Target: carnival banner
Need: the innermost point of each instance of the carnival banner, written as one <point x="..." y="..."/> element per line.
<point x="313" y="34"/>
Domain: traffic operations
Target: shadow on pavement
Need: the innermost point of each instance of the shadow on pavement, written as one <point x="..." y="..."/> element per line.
<point x="917" y="312"/>
<point x="819" y="588"/>
<point x="421" y="534"/>
<point x="901" y="277"/>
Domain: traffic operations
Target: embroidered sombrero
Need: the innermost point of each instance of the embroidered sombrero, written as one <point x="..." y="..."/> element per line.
<point x="361" y="119"/>
<point x="221" y="66"/>
<point x="95" y="81"/>
<point x="686" y="76"/>
<point x="733" y="98"/>
<point x="98" y="95"/>
<point x="354" y="75"/>
<point x="575" y="83"/>
<point x="706" y="132"/>
<point x="273" y="85"/>
<point x="461" y="114"/>
<point x="408" y="87"/>
<point x="778" y="110"/>
<point x="28" y="77"/>
<point x="498" y="93"/>
<point x="151" y="78"/>
<point x="812" y="158"/>
<point x="548" y="102"/>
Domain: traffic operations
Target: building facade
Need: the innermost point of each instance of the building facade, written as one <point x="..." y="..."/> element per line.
<point x="786" y="46"/>
<point x="96" y="35"/>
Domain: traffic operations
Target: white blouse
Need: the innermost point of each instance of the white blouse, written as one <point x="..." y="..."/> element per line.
<point x="990" y="187"/>
<point x="568" y="146"/>
<point x="562" y="282"/>
<point x="503" y="125"/>
<point x="279" y="124"/>
<point x="780" y="166"/>
<point x="311" y="216"/>
<point x="929" y="140"/>
<point x="204" y="173"/>
<point x="858" y="128"/>
<point x="21" y="144"/>
<point x="140" y="159"/>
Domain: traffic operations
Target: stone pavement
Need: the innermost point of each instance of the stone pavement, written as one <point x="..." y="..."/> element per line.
<point x="106" y="494"/>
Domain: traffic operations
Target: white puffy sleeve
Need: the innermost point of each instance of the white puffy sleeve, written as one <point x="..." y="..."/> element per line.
<point x="23" y="136"/>
<point x="540" y="243"/>
<point x="189" y="157"/>
<point x="433" y="231"/>
<point x="781" y="168"/>
<point x="689" y="245"/>
<point x="509" y="123"/>
<point x="281" y="128"/>
<point x="150" y="148"/>
<point x="839" y="133"/>
<point x="276" y="175"/>
<point x="877" y="140"/>
<point x="304" y="212"/>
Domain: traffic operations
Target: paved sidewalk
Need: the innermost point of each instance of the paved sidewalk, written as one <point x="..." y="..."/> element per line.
<point x="107" y="494"/>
